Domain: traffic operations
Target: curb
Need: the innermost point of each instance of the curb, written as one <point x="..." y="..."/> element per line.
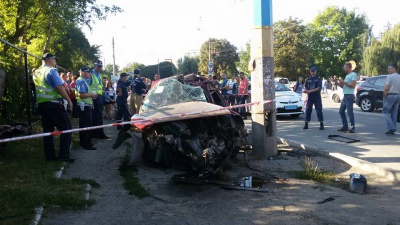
<point x="391" y="175"/>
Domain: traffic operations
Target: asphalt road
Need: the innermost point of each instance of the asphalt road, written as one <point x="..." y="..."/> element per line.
<point x="374" y="146"/>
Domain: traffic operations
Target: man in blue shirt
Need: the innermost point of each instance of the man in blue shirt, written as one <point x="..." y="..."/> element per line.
<point x="98" y="104"/>
<point x="348" y="85"/>
<point x="85" y="99"/>
<point x="313" y="86"/>
<point x="50" y="93"/>
<point x="122" y="102"/>
<point x="224" y="87"/>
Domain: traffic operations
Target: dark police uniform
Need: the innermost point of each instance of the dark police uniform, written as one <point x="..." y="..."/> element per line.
<point x="85" y="111"/>
<point x="314" y="98"/>
<point x="122" y="102"/>
<point x="52" y="111"/>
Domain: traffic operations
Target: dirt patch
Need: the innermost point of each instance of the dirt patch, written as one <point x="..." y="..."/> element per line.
<point x="289" y="200"/>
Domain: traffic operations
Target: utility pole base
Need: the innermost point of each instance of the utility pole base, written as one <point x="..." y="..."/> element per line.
<point x="264" y="145"/>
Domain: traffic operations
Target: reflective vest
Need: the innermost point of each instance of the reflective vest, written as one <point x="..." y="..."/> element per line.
<point x="44" y="92"/>
<point x="97" y="84"/>
<point x="87" y="101"/>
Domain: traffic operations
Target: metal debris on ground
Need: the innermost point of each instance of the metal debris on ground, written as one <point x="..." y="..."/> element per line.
<point x="358" y="183"/>
<point x="250" y="183"/>
<point x="342" y="139"/>
<point x="327" y="200"/>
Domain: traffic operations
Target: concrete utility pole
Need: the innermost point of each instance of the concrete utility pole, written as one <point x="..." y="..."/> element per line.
<point x="263" y="81"/>
<point x="114" y="73"/>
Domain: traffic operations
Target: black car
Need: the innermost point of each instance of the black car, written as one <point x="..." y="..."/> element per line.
<point x="370" y="93"/>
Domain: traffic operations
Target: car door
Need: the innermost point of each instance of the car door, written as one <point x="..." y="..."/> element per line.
<point x="379" y="86"/>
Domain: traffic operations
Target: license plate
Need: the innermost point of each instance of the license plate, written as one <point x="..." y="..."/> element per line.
<point x="290" y="106"/>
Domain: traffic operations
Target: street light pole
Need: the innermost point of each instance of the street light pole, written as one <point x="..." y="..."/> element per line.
<point x="263" y="81"/>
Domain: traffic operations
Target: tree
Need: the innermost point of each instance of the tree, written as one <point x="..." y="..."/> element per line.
<point x="188" y="64"/>
<point x="336" y="37"/>
<point x="223" y="54"/>
<point x="291" y="54"/>
<point x="167" y="69"/>
<point x="244" y="59"/>
<point x="382" y="52"/>
<point x="40" y="26"/>
<point x="132" y="66"/>
<point x="108" y="69"/>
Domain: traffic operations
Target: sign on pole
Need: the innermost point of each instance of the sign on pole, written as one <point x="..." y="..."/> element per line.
<point x="210" y="66"/>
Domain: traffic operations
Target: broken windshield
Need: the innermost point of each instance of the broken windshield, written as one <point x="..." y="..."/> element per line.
<point x="171" y="91"/>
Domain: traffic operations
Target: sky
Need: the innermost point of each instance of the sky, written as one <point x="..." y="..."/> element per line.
<point x="150" y="31"/>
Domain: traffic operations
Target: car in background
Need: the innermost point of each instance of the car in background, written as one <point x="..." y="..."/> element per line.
<point x="370" y="93"/>
<point x="287" y="101"/>
<point x="287" y="83"/>
<point x="337" y="95"/>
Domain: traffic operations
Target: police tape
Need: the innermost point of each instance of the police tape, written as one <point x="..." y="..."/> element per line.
<point x="135" y="119"/>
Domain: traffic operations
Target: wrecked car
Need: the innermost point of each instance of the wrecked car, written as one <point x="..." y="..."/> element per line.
<point x="183" y="120"/>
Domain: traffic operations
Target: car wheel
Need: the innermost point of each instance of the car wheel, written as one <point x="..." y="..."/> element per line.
<point x="336" y="98"/>
<point x="294" y="115"/>
<point x="366" y="104"/>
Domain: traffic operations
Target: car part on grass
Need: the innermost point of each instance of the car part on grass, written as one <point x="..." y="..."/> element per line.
<point x="14" y="130"/>
<point x="340" y="138"/>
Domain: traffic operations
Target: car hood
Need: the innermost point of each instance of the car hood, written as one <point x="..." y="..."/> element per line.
<point x="184" y="111"/>
<point x="286" y="94"/>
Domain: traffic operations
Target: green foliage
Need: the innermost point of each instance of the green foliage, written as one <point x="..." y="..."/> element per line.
<point x="291" y="54"/>
<point x="313" y="172"/>
<point x="167" y="69"/>
<point x="108" y="70"/>
<point x="188" y="64"/>
<point x="223" y="54"/>
<point x="38" y="27"/>
<point x="380" y="53"/>
<point x="335" y="37"/>
<point x="244" y="59"/>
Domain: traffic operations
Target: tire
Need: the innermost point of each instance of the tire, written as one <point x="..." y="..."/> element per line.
<point x="366" y="104"/>
<point x="336" y="98"/>
<point x="295" y="115"/>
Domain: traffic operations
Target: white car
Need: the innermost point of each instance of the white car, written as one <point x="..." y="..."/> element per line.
<point x="337" y="95"/>
<point x="287" y="101"/>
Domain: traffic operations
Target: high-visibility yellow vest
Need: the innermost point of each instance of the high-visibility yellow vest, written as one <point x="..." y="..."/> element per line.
<point x="87" y="101"/>
<point x="97" y="84"/>
<point x="44" y="92"/>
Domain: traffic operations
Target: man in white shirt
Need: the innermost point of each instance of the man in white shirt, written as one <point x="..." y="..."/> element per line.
<point x="391" y="98"/>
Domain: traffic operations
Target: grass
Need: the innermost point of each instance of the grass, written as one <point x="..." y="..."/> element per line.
<point x="313" y="172"/>
<point x="131" y="182"/>
<point x="27" y="181"/>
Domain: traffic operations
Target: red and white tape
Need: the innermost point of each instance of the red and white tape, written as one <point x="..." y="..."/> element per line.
<point x="133" y="121"/>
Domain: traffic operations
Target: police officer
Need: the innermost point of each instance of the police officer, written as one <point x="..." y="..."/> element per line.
<point x="137" y="92"/>
<point x="50" y="93"/>
<point x="122" y="93"/>
<point x="84" y="96"/>
<point x="313" y="86"/>
<point x="98" y="105"/>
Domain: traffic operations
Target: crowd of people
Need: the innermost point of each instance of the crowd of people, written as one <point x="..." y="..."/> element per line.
<point x="88" y="94"/>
